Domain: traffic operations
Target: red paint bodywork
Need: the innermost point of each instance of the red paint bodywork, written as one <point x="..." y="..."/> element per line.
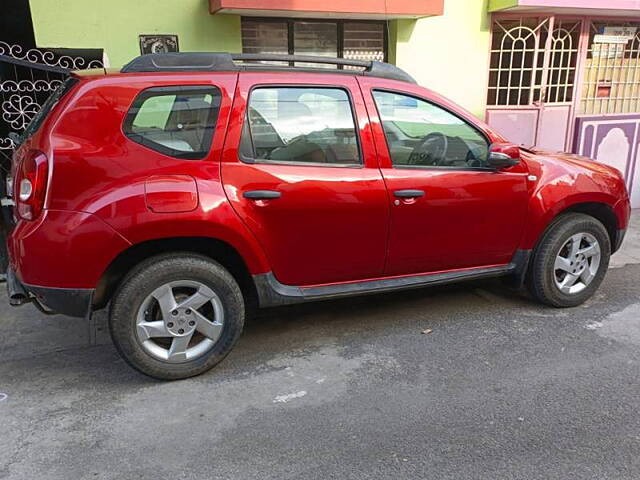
<point x="107" y="193"/>
<point x="171" y="193"/>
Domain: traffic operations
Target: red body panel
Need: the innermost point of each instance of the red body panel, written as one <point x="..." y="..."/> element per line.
<point x="456" y="224"/>
<point x="171" y="193"/>
<point x="331" y="225"/>
<point x="331" y="222"/>
<point x="564" y="180"/>
<point x="96" y="169"/>
<point x="64" y="249"/>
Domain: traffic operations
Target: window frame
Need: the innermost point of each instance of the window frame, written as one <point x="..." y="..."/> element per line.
<point x="145" y="94"/>
<point x="438" y="105"/>
<point x="259" y="161"/>
<point x="289" y="21"/>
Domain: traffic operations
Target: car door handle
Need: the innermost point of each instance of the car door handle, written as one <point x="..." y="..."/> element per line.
<point x="261" y="194"/>
<point x="409" y="193"/>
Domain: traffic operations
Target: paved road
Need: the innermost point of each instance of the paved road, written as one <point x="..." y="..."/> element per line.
<point x="502" y="388"/>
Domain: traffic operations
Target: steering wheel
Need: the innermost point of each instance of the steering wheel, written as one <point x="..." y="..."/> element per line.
<point x="430" y="151"/>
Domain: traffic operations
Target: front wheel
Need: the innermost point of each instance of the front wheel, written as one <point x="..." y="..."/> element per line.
<point x="570" y="261"/>
<point x="176" y="316"/>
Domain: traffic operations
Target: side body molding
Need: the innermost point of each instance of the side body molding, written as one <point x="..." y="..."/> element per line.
<point x="272" y="293"/>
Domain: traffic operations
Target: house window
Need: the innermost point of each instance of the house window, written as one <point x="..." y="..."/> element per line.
<point x="354" y="40"/>
<point x="611" y="81"/>
<point x="522" y="72"/>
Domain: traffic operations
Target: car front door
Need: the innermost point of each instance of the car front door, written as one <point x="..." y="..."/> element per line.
<point x="448" y="209"/>
<point x="300" y="169"/>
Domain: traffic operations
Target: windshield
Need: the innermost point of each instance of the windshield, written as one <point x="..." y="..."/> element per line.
<point x="39" y="117"/>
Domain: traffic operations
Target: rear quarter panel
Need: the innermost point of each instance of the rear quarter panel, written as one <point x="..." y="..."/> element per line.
<point x="98" y="170"/>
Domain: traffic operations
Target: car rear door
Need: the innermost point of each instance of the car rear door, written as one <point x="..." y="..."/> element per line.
<point x="448" y="210"/>
<point x="300" y="169"/>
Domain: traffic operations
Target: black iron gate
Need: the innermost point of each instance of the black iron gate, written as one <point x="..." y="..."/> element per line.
<point x="27" y="78"/>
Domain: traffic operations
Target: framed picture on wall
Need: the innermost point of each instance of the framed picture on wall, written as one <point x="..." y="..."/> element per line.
<point x="158" y="43"/>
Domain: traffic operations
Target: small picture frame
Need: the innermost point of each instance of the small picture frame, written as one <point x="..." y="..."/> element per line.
<point x="158" y="43"/>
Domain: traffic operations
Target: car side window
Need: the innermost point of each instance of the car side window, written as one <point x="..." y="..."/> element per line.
<point x="175" y="121"/>
<point x="300" y="125"/>
<point x="421" y="134"/>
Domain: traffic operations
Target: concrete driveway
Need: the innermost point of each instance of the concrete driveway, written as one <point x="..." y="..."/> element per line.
<point x="502" y="388"/>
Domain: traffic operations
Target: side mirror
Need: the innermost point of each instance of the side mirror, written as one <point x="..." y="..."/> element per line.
<point x="503" y="155"/>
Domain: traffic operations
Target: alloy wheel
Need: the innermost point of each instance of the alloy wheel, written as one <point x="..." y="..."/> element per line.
<point x="577" y="263"/>
<point x="180" y="321"/>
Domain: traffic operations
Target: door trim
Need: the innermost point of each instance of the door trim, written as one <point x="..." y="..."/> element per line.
<point x="272" y="293"/>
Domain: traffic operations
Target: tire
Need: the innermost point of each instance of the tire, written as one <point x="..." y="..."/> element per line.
<point x="551" y="280"/>
<point x="165" y="340"/>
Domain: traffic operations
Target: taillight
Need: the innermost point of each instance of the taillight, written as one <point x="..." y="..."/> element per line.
<point x="30" y="185"/>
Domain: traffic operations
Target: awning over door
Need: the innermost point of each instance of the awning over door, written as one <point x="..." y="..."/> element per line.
<point x="608" y="8"/>
<point x="352" y="9"/>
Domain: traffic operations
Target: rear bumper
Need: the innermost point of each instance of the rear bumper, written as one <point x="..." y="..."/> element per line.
<point x="63" y="250"/>
<point x="74" y="302"/>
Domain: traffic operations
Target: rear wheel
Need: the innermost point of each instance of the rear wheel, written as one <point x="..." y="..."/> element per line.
<point x="570" y="261"/>
<point x="176" y="316"/>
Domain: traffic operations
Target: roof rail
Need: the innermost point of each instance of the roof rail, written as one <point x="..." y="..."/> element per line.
<point x="225" y="62"/>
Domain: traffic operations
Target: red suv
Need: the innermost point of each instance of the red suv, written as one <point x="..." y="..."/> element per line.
<point x="185" y="188"/>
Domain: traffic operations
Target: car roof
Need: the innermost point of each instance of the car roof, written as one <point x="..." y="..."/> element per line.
<point x="226" y="62"/>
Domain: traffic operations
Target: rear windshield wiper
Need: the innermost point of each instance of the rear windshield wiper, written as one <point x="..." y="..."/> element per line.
<point x="15" y="138"/>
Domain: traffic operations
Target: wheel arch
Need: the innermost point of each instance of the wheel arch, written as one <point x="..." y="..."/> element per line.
<point x="602" y="212"/>
<point x="545" y="212"/>
<point x="220" y="251"/>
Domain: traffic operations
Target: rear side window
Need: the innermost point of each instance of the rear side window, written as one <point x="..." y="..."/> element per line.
<point x="175" y="121"/>
<point x="303" y="125"/>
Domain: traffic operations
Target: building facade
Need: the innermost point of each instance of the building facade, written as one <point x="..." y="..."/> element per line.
<point x="558" y="74"/>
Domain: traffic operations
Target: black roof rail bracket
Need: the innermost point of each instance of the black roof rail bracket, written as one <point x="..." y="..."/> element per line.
<point x="180" y="62"/>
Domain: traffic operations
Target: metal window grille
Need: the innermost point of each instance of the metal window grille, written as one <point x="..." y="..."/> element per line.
<point x="611" y="74"/>
<point x="522" y="71"/>
<point x="563" y="59"/>
<point x="517" y="60"/>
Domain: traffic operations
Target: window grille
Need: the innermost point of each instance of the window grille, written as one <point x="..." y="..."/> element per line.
<point x="563" y="59"/>
<point x="521" y="72"/>
<point x="517" y="56"/>
<point x="612" y="73"/>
